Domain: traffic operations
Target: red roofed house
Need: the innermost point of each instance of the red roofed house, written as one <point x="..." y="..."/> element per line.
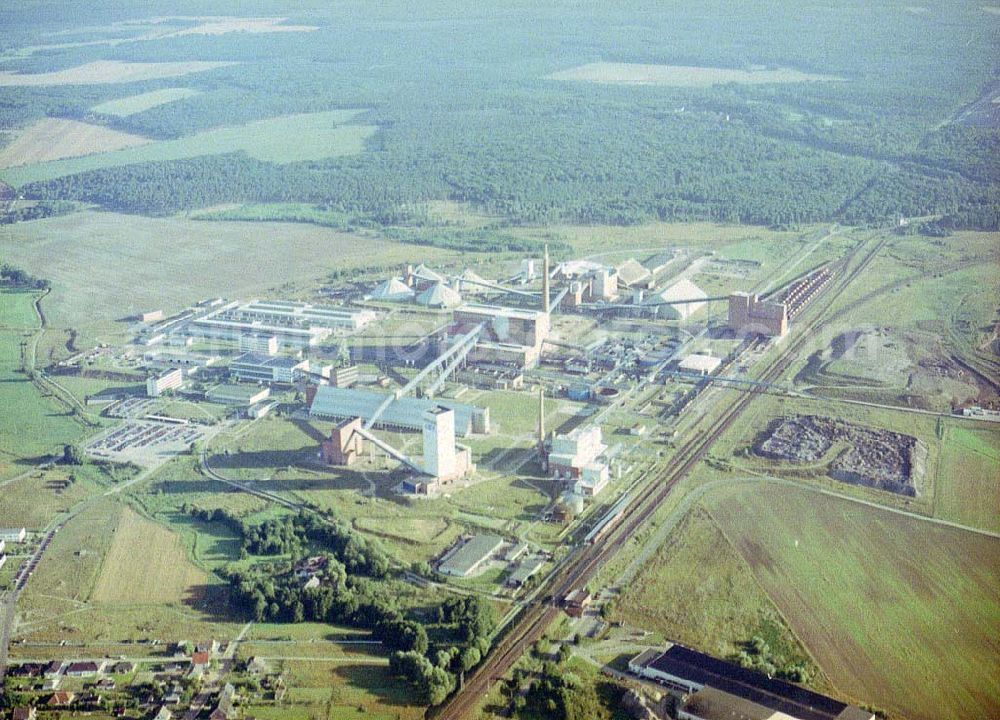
<point x="200" y="658"/>
<point x="61" y="698"/>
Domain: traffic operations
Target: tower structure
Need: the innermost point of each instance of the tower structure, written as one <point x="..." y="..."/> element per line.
<point x="439" y="442"/>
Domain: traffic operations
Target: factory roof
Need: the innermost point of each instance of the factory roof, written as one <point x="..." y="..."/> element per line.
<point x="470" y="554"/>
<point x="778" y="695"/>
<point x="439" y="295"/>
<point x="700" y="363"/>
<point x="425" y="273"/>
<point x="683" y="289"/>
<point x="271" y="361"/>
<point x="290" y="307"/>
<point x="473" y="277"/>
<point x="632" y="272"/>
<point x="236" y="394"/>
<point x="405" y="412"/>
<point x="501" y="311"/>
<point x="392" y="289"/>
<point x="525" y="570"/>
<point x="575" y="268"/>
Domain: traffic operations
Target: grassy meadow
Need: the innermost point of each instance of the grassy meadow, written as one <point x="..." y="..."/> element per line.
<point x="134" y="263"/>
<point x="31" y="424"/>
<point x="699" y="591"/>
<point x="967" y="487"/>
<point x="887" y="604"/>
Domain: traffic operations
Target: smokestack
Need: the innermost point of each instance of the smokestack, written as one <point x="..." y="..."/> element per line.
<point x="545" y="281"/>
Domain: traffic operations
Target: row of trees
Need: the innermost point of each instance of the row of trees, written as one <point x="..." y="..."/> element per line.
<point x="16" y="277"/>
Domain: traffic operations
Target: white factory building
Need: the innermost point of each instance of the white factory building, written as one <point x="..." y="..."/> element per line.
<point x="699" y="364"/>
<point x="259" y="343"/>
<point x="13" y="535"/>
<point x="294" y="324"/>
<point x="576" y="450"/>
<point x="253" y="367"/>
<point x="171" y="379"/>
<point x="443" y="459"/>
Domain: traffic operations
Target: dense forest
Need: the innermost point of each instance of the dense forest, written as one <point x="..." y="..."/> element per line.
<point x="471" y="116"/>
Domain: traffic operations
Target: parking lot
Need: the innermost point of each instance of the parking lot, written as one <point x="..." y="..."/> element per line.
<point x="145" y="442"/>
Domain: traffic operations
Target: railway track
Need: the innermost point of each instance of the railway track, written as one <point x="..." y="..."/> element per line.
<point x="581" y="566"/>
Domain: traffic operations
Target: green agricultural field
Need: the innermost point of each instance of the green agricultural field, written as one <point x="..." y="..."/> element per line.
<point x="17" y="311"/>
<point x="31" y="425"/>
<point x="123" y="107"/>
<point x="967" y="487"/>
<point x="291" y="138"/>
<point x="134" y="262"/>
<point x="699" y="591"/>
<point x="340" y="690"/>
<point x="885" y="603"/>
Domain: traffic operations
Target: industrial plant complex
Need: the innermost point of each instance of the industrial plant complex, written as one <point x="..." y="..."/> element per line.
<point x="569" y="379"/>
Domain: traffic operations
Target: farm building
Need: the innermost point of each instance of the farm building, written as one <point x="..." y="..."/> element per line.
<point x="700" y="364"/>
<point x="405" y="412"/>
<point x="718" y="689"/>
<point x="469" y="556"/>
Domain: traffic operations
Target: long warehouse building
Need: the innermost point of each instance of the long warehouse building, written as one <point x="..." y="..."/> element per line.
<point x="406" y="412"/>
